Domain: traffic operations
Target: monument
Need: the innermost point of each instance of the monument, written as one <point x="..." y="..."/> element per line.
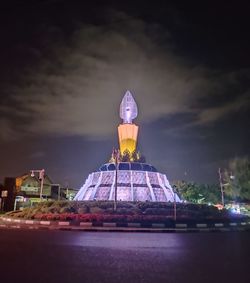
<point x="127" y="171"/>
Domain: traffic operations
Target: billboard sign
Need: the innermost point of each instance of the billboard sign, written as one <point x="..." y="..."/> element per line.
<point x="29" y="189"/>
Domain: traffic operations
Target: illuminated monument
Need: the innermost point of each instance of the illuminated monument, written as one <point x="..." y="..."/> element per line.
<point x="128" y="131"/>
<point x="136" y="180"/>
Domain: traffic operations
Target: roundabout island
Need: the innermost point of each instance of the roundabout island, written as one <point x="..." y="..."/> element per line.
<point x="128" y="193"/>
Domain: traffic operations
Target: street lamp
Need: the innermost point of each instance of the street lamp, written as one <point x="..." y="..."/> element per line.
<point x="233" y="186"/>
<point x="221" y="188"/>
<point x="41" y="178"/>
<point x="116" y="157"/>
<point x="174" y="191"/>
<point x="222" y="185"/>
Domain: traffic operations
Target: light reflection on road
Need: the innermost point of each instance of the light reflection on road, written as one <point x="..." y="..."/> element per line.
<point x="127" y="240"/>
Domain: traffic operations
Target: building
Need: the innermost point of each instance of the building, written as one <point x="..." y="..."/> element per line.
<point x="127" y="177"/>
<point x="23" y="191"/>
<point x="8" y="192"/>
<point x="28" y="189"/>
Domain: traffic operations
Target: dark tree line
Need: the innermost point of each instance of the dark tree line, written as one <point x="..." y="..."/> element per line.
<point x="235" y="182"/>
<point x="236" y="179"/>
<point x="198" y="193"/>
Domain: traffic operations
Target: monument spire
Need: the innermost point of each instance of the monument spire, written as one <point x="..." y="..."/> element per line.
<point x="128" y="131"/>
<point x="128" y="108"/>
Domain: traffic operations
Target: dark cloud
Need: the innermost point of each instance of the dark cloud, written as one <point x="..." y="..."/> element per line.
<point x="65" y="78"/>
<point x="76" y="87"/>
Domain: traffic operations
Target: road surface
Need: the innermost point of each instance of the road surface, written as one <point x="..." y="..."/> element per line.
<point x="66" y="256"/>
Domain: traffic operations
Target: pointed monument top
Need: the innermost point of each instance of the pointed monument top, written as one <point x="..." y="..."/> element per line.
<point x="128" y="108"/>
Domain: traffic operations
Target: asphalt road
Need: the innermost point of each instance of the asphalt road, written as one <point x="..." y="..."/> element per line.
<point x="65" y="256"/>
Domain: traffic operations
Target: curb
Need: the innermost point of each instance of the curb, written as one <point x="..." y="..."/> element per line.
<point x="130" y="226"/>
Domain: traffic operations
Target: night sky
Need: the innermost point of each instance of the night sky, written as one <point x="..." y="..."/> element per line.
<point x="65" y="66"/>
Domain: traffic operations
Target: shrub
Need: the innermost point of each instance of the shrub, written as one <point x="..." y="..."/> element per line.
<point x="95" y="210"/>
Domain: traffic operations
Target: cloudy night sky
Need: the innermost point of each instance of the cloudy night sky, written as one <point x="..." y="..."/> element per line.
<point x="65" y="66"/>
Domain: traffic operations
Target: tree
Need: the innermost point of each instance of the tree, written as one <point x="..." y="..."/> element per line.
<point x="237" y="179"/>
<point x="188" y="191"/>
<point x="198" y="193"/>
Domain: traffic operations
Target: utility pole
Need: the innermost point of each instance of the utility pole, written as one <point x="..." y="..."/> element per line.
<point x="221" y="188"/>
<point x="41" y="178"/>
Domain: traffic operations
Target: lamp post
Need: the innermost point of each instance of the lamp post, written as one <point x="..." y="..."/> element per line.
<point x="41" y="178"/>
<point x="221" y="188"/>
<point x="174" y="191"/>
<point x="233" y="185"/>
<point x="116" y="157"/>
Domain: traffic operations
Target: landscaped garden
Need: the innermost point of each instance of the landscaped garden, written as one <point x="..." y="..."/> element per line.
<point x="143" y="212"/>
